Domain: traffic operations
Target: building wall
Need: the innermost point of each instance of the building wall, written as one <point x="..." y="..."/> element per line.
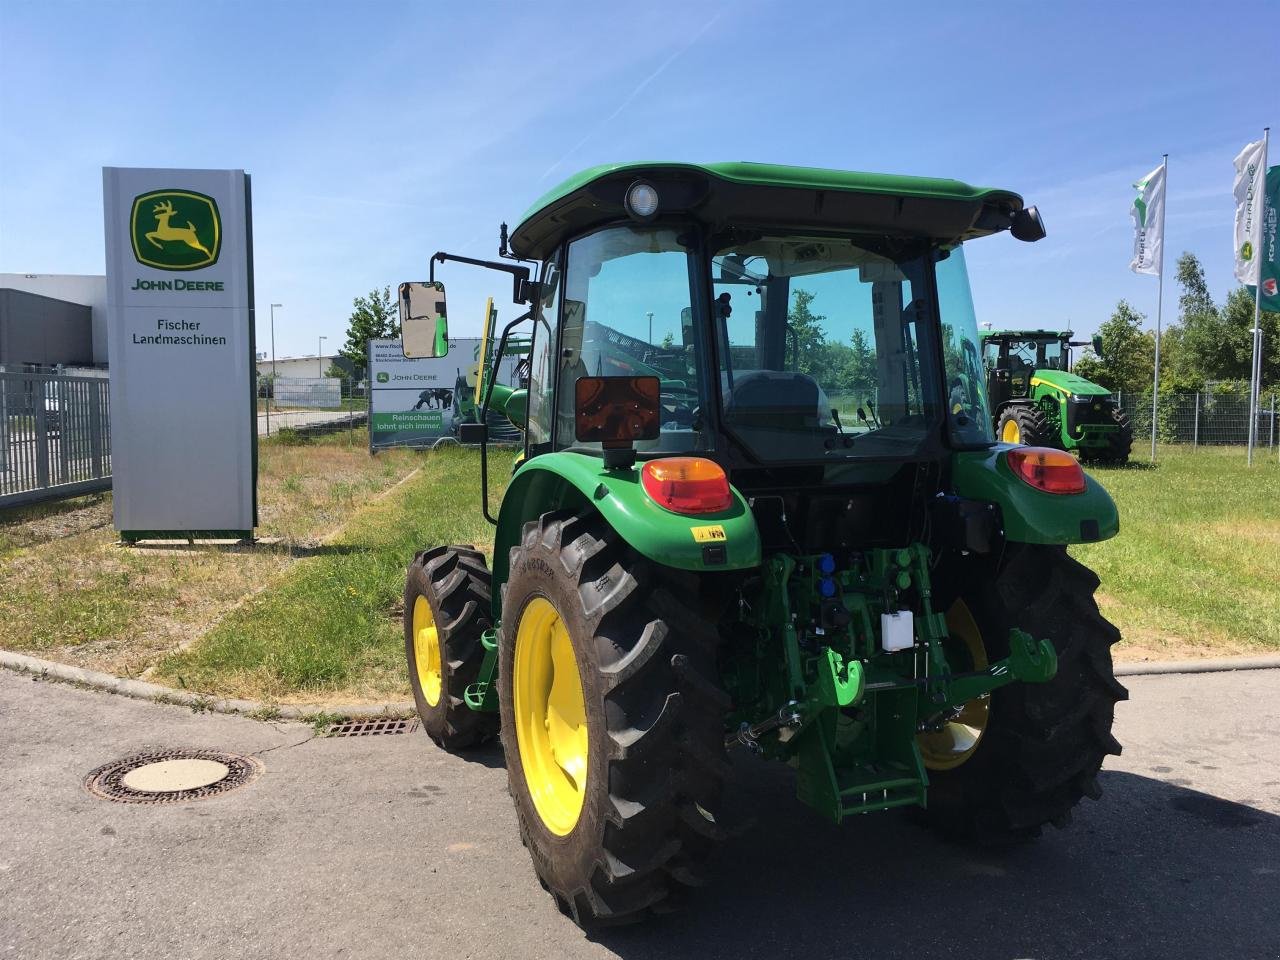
<point x="36" y="329"/>
<point x="85" y="289"/>
<point x="296" y="367"/>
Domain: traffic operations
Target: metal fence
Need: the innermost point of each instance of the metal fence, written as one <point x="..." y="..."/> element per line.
<point x="1204" y="417"/>
<point x="55" y="436"/>
<point x="320" y="393"/>
<point x="310" y="403"/>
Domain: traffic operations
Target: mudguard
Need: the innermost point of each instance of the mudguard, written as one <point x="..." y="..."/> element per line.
<point x="1031" y="515"/>
<point x="707" y="543"/>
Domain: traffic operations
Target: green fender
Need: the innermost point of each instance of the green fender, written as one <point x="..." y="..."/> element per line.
<point x="553" y="481"/>
<point x="1031" y="515"/>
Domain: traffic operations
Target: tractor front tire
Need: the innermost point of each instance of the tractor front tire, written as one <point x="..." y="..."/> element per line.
<point x="612" y="721"/>
<point x="446" y="611"/>
<point x="1026" y="425"/>
<point x="1043" y="743"/>
<point x="1119" y="444"/>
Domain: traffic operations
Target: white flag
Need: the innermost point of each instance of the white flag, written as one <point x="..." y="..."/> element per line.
<point x="1148" y="223"/>
<point x="1250" y="175"/>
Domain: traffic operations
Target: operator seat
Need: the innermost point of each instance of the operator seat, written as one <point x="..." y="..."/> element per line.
<point x="774" y="398"/>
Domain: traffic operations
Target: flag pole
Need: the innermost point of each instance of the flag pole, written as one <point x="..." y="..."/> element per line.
<point x="1155" y="386"/>
<point x="1255" y="373"/>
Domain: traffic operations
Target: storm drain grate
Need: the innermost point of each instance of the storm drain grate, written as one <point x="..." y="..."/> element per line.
<point x="171" y="776"/>
<point x="371" y="728"/>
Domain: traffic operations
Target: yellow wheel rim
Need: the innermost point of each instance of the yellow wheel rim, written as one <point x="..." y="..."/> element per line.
<point x="1010" y="432"/>
<point x="959" y="737"/>
<point x="551" y="716"/>
<point x="426" y="651"/>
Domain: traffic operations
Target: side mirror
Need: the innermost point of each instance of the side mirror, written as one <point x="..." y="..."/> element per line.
<point x="1027" y="225"/>
<point x="424" y="327"/>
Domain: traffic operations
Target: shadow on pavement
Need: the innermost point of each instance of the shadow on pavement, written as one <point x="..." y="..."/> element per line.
<point x="1152" y="870"/>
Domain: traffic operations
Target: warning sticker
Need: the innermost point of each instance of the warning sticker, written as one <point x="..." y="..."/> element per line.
<point x="711" y="534"/>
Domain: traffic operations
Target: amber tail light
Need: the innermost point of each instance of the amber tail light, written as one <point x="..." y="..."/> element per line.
<point x="1053" y="471"/>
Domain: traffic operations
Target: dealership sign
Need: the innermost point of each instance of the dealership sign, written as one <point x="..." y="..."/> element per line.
<point x="180" y="350"/>
<point x="416" y="402"/>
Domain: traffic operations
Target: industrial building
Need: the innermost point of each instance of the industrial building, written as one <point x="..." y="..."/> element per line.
<point x="53" y="319"/>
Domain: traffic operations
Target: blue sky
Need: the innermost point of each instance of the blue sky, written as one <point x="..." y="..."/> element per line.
<point x="380" y="132"/>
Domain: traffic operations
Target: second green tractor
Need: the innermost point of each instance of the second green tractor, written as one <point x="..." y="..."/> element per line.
<point x="1036" y="399"/>
<point x="758" y="512"/>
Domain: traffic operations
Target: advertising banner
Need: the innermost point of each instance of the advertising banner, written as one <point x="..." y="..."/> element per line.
<point x="180" y="351"/>
<point x="417" y="402"/>
<point x="1148" y="223"/>
<point x="1248" y="193"/>
<point x="1269" y="252"/>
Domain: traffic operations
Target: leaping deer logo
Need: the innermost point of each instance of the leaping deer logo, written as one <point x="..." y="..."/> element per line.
<point x="164" y="212"/>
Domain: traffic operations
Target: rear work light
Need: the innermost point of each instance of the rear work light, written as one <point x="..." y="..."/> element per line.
<point x="687" y="485"/>
<point x="1053" y="471"/>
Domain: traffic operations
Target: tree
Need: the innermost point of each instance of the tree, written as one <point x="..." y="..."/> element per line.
<point x="1237" y="331"/>
<point x="1195" y="300"/>
<point x="1127" y="360"/>
<point x="375" y="317"/>
<point x="1216" y="343"/>
<point x="806" y="327"/>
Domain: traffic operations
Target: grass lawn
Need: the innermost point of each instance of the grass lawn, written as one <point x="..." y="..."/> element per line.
<point x="69" y="593"/>
<point x="332" y="629"/>
<point x="1195" y="571"/>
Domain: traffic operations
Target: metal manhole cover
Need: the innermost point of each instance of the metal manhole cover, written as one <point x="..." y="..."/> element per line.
<point x="369" y="728"/>
<point x="171" y="776"/>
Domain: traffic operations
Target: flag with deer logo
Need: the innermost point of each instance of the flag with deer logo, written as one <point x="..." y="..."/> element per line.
<point x="1148" y="223"/>
<point x="1249" y="202"/>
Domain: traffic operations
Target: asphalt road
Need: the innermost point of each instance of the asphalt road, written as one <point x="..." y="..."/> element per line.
<point x="387" y="847"/>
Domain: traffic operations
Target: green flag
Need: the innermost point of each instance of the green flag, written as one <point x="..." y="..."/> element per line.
<point x="1269" y="262"/>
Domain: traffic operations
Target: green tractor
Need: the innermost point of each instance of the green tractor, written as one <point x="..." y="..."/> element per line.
<point x="769" y="532"/>
<point x="468" y="387"/>
<point x="1037" y="401"/>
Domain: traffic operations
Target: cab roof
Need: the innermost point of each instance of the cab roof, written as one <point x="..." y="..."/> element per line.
<point x="768" y="195"/>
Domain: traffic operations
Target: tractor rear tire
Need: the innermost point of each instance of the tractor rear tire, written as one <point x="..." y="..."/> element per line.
<point x="1024" y="424"/>
<point x="453" y="584"/>
<point x="1119" y="444"/>
<point x="653" y="712"/>
<point x="1044" y="743"/>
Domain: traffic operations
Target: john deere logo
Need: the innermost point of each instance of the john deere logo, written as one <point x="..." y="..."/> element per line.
<point x="383" y="377"/>
<point x="1246" y="251"/>
<point x="176" y="230"/>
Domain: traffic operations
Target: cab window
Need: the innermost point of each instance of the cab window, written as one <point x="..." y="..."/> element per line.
<point x="626" y="312"/>
<point x="546" y="324"/>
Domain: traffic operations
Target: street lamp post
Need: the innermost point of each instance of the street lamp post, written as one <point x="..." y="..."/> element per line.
<point x="320" y="355"/>
<point x="272" y="392"/>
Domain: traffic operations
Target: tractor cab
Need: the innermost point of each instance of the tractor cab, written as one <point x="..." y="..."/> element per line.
<point x="1010" y="357"/>
<point x="810" y="330"/>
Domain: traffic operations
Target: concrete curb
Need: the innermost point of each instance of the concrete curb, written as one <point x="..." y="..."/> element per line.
<point x="141" y="690"/>
<point x="156" y="693"/>
<point x="1197" y="666"/>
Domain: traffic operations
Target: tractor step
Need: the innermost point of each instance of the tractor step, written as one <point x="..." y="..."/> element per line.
<point x="867" y="789"/>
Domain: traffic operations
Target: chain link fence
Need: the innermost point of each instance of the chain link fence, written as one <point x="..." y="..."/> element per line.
<point x="1204" y="417"/>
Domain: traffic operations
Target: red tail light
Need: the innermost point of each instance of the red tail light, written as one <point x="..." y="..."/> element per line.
<point x="1053" y="471"/>
<point x="687" y="485"/>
